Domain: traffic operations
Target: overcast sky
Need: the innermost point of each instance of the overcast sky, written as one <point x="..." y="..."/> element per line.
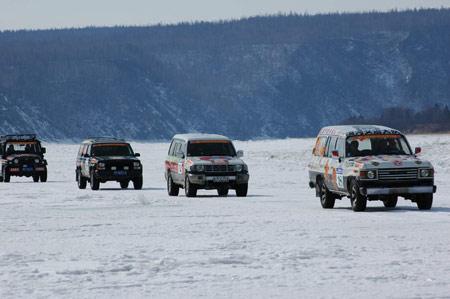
<point x="38" y="14"/>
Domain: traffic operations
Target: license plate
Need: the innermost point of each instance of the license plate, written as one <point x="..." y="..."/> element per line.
<point x="27" y="168"/>
<point x="120" y="172"/>
<point x="220" y="179"/>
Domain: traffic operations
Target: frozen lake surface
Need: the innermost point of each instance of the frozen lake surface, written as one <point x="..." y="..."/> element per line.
<point x="58" y="241"/>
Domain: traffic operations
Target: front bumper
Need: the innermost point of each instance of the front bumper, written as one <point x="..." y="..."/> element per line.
<point x="398" y="190"/>
<point x="212" y="181"/>
<point x="108" y="175"/>
<point x="30" y="171"/>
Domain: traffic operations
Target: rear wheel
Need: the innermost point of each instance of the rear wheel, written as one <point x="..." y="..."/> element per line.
<point x="172" y="189"/>
<point x="358" y="201"/>
<point x="137" y="183"/>
<point x="35" y="178"/>
<point x="95" y="183"/>
<point x="327" y="199"/>
<point x="424" y="201"/>
<point x="390" y="202"/>
<point x="189" y="189"/>
<point x="124" y="184"/>
<point x="44" y="177"/>
<point x="241" y="190"/>
<point x="1" y="179"/>
<point x="223" y="191"/>
<point x="81" y="181"/>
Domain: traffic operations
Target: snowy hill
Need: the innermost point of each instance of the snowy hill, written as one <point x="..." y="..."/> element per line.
<point x="280" y="76"/>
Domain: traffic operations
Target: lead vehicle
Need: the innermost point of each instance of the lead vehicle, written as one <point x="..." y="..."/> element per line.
<point x="205" y="161"/>
<point x="22" y="155"/>
<point x="369" y="163"/>
<point x="103" y="159"/>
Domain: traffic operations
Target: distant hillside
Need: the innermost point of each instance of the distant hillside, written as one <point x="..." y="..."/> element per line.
<point x="277" y="76"/>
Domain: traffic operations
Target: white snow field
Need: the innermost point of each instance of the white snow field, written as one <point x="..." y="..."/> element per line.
<point x="60" y="242"/>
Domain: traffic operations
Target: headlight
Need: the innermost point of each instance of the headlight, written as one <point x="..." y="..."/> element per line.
<point x="16" y="161"/>
<point x="238" y="168"/>
<point x="136" y="165"/>
<point x="101" y="165"/>
<point x="198" y="168"/>
<point x="371" y="174"/>
<point x="37" y="161"/>
<point x="426" y="173"/>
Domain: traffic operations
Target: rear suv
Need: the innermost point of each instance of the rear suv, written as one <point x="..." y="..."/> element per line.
<point x="369" y="162"/>
<point x="22" y="155"/>
<point x="103" y="159"/>
<point x="205" y="161"/>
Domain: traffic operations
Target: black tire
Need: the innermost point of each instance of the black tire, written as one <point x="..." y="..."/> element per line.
<point x="241" y="190"/>
<point x="327" y="199"/>
<point x="81" y="181"/>
<point x="35" y="178"/>
<point x="189" y="189"/>
<point x="1" y="179"/>
<point x="137" y="183"/>
<point x="223" y="191"/>
<point x="95" y="183"/>
<point x="390" y="202"/>
<point x="6" y="177"/>
<point x="357" y="200"/>
<point x="44" y="177"/>
<point x="424" y="201"/>
<point x="124" y="184"/>
<point x="172" y="188"/>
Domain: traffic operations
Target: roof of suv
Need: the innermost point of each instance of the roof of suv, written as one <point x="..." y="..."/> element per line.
<point x="356" y="130"/>
<point x="198" y="136"/>
<point x="18" y="137"/>
<point x="103" y="140"/>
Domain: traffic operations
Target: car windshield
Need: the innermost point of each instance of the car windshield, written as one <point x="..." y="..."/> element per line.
<point x="102" y="150"/>
<point x="22" y="147"/>
<point x="210" y="148"/>
<point x="372" y="145"/>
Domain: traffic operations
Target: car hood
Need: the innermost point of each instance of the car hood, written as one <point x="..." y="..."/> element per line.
<point x="21" y="156"/>
<point x="109" y="158"/>
<point x="389" y="161"/>
<point x="214" y="160"/>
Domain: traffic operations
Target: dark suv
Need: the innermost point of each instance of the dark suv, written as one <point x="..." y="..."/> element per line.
<point x="22" y="155"/>
<point x="103" y="159"/>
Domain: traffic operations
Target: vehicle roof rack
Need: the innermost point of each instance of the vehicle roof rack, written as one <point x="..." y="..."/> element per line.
<point x="17" y="137"/>
<point x="104" y="139"/>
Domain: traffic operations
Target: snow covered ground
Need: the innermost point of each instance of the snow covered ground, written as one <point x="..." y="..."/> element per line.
<point x="58" y="241"/>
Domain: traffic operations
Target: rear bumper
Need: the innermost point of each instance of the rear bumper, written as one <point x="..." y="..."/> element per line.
<point x="398" y="190"/>
<point x="211" y="181"/>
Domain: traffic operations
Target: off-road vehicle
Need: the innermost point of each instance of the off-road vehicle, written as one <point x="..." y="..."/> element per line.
<point x="205" y="161"/>
<point x="22" y="155"/>
<point x="369" y="163"/>
<point x="102" y="159"/>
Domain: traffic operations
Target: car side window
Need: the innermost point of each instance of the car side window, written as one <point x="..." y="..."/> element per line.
<point x="340" y="146"/>
<point x="80" y="151"/>
<point x="88" y="150"/>
<point x="176" y="148"/>
<point x="319" y="149"/>
<point x="331" y="146"/>
<point x="171" y="148"/>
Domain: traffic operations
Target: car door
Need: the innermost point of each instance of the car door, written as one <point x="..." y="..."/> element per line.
<point x="86" y="161"/>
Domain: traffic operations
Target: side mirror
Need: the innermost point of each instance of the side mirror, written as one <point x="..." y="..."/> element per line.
<point x="240" y="154"/>
<point x="335" y="154"/>
<point x="418" y="150"/>
<point x="43" y="150"/>
<point x="86" y="155"/>
<point x="137" y="154"/>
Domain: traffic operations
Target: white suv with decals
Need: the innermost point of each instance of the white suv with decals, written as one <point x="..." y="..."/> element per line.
<point x="368" y="162"/>
<point x="205" y="161"/>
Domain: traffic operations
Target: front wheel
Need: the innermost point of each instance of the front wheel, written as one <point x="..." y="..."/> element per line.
<point x="189" y="189"/>
<point x="137" y="183"/>
<point x="424" y="201"/>
<point x="44" y="177"/>
<point x="241" y="190"/>
<point x="172" y="189"/>
<point x="35" y="178"/>
<point x="124" y="184"/>
<point x="6" y="177"/>
<point x="223" y="191"/>
<point x="81" y="181"/>
<point x="357" y="200"/>
<point x="327" y="199"/>
<point x="95" y="183"/>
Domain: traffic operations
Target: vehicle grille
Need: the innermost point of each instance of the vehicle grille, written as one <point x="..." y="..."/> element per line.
<point x="396" y="174"/>
<point x="219" y="168"/>
<point x="119" y="164"/>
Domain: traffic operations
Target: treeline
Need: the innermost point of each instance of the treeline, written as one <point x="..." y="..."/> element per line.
<point x="433" y="119"/>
